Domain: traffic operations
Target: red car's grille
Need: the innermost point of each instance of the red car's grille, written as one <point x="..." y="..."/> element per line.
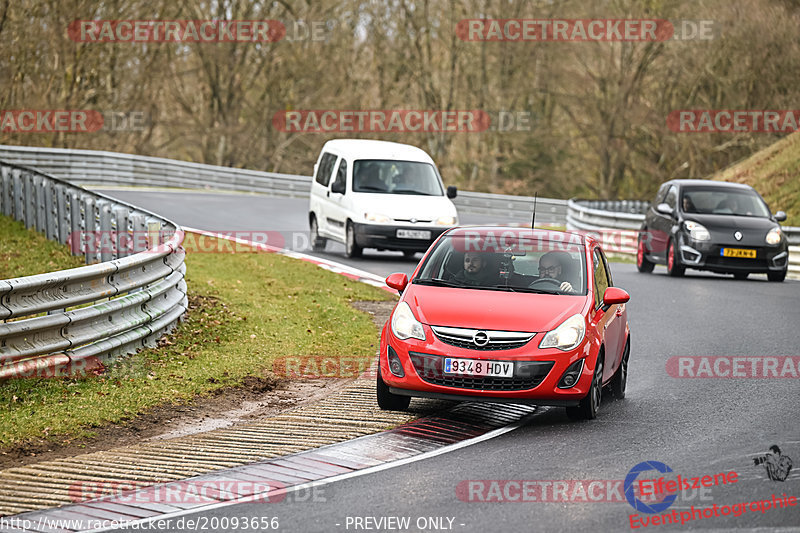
<point x="492" y="340"/>
<point x="527" y="375"/>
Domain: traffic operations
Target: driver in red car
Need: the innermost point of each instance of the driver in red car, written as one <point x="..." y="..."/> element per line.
<point x="551" y="266"/>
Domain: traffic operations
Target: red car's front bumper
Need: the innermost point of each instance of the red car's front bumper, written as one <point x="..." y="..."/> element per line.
<point x="537" y="372"/>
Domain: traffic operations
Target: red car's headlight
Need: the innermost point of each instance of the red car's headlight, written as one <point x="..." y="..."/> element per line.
<point x="567" y="336"/>
<point x="405" y="325"/>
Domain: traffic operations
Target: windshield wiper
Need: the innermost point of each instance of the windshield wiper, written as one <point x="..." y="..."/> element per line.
<point x="437" y="282"/>
<point x="523" y="289"/>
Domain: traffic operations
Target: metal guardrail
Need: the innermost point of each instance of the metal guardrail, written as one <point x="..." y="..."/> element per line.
<point x="130" y="294"/>
<point x="624" y="219"/>
<point x="90" y="167"/>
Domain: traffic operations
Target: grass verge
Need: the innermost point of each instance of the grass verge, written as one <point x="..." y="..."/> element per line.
<point x="25" y="252"/>
<point x="247" y="310"/>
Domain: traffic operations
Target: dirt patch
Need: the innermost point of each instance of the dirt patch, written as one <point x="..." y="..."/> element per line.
<point x="255" y="399"/>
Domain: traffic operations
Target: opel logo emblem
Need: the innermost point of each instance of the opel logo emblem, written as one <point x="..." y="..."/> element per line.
<point x="738" y="235"/>
<point x="481" y="338"/>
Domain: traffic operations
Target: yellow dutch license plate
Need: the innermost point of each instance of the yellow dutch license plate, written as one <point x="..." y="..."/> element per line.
<point x="738" y="252"/>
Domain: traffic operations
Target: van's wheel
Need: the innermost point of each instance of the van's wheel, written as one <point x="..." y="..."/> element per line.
<point x="387" y="400"/>
<point x="642" y="263"/>
<point x="620" y="379"/>
<point x="351" y="249"/>
<point x="408" y="254"/>
<point x="674" y="267"/>
<point x="317" y="243"/>
<point x="588" y="406"/>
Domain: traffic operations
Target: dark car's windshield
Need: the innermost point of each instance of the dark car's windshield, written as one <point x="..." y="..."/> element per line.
<point x="507" y="261"/>
<point x="396" y="177"/>
<point x="717" y="201"/>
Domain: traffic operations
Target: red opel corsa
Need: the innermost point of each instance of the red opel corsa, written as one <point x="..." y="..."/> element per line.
<point x="507" y="315"/>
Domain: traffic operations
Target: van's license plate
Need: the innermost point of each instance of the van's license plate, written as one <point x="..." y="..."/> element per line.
<point x="473" y="367"/>
<point x="413" y="234"/>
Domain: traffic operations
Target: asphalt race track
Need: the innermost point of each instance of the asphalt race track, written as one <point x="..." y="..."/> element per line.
<point x="696" y="426"/>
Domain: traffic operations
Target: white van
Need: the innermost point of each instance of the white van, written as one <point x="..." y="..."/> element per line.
<point x="378" y="194"/>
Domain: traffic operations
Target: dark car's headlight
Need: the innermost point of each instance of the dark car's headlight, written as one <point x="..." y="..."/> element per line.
<point x="774" y="236"/>
<point x="697" y="231"/>
<point x="404" y="325"/>
<point x="566" y="336"/>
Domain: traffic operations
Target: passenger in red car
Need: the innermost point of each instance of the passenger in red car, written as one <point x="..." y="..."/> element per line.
<point x="477" y="271"/>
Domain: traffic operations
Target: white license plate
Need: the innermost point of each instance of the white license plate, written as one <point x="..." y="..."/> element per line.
<point x="413" y="234"/>
<point x="474" y="367"/>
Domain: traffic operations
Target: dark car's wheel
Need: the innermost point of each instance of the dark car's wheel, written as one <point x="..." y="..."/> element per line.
<point x="620" y="379"/>
<point x="776" y="276"/>
<point x="674" y="267"/>
<point x="317" y="243"/>
<point x="351" y="249"/>
<point x="740" y="275"/>
<point x="588" y="406"/>
<point x="388" y="401"/>
<point x="642" y="263"/>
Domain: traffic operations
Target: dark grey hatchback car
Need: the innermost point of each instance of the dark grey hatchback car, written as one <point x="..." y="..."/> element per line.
<point x="712" y="225"/>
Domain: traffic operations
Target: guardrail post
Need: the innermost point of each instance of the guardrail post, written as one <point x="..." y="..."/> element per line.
<point x="108" y="246"/>
<point x="29" y="201"/>
<point x="122" y="237"/>
<point x="61" y="217"/>
<point x="90" y="240"/>
<point x="18" y="195"/>
<point x="5" y="191"/>
<point x="41" y="205"/>
<point x="75" y="223"/>
<point x="50" y="210"/>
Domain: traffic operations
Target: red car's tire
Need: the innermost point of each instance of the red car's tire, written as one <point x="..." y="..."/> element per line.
<point x="620" y="379"/>
<point x="588" y="406"/>
<point x="387" y="400"/>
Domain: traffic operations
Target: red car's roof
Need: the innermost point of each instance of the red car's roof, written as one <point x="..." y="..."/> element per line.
<point x="543" y="234"/>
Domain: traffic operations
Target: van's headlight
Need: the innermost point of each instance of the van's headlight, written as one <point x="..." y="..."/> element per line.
<point x="446" y="221"/>
<point x="697" y="232"/>
<point x="375" y="217"/>
<point x="566" y="336"/>
<point x="774" y="236"/>
<point x="404" y="325"/>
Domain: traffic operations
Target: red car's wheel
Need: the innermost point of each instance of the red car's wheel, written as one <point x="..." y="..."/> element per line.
<point x="588" y="406"/>
<point x="674" y="267"/>
<point x="388" y="401"/>
<point x="620" y="379"/>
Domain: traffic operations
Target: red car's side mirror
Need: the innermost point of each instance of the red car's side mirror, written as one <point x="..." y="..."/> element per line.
<point x="615" y="295"/>
<point x="397" y="281"/>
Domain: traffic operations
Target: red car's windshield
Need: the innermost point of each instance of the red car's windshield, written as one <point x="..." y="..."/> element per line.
<point x="525" y="262"/>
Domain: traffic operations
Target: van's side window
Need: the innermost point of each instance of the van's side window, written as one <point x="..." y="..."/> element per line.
<point x="340" y="183"/>
<point x="325" y="169"/>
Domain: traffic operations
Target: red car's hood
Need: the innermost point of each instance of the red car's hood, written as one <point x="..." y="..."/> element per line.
<point x="487" y="309"/>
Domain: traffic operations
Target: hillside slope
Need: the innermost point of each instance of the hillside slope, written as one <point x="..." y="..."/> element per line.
<point x="775" y="173"/>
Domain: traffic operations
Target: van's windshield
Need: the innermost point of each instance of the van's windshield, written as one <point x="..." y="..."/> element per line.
<point x="396" y="177"/>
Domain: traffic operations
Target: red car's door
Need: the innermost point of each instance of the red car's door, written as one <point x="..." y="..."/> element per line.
<point x="610" y="323"/>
